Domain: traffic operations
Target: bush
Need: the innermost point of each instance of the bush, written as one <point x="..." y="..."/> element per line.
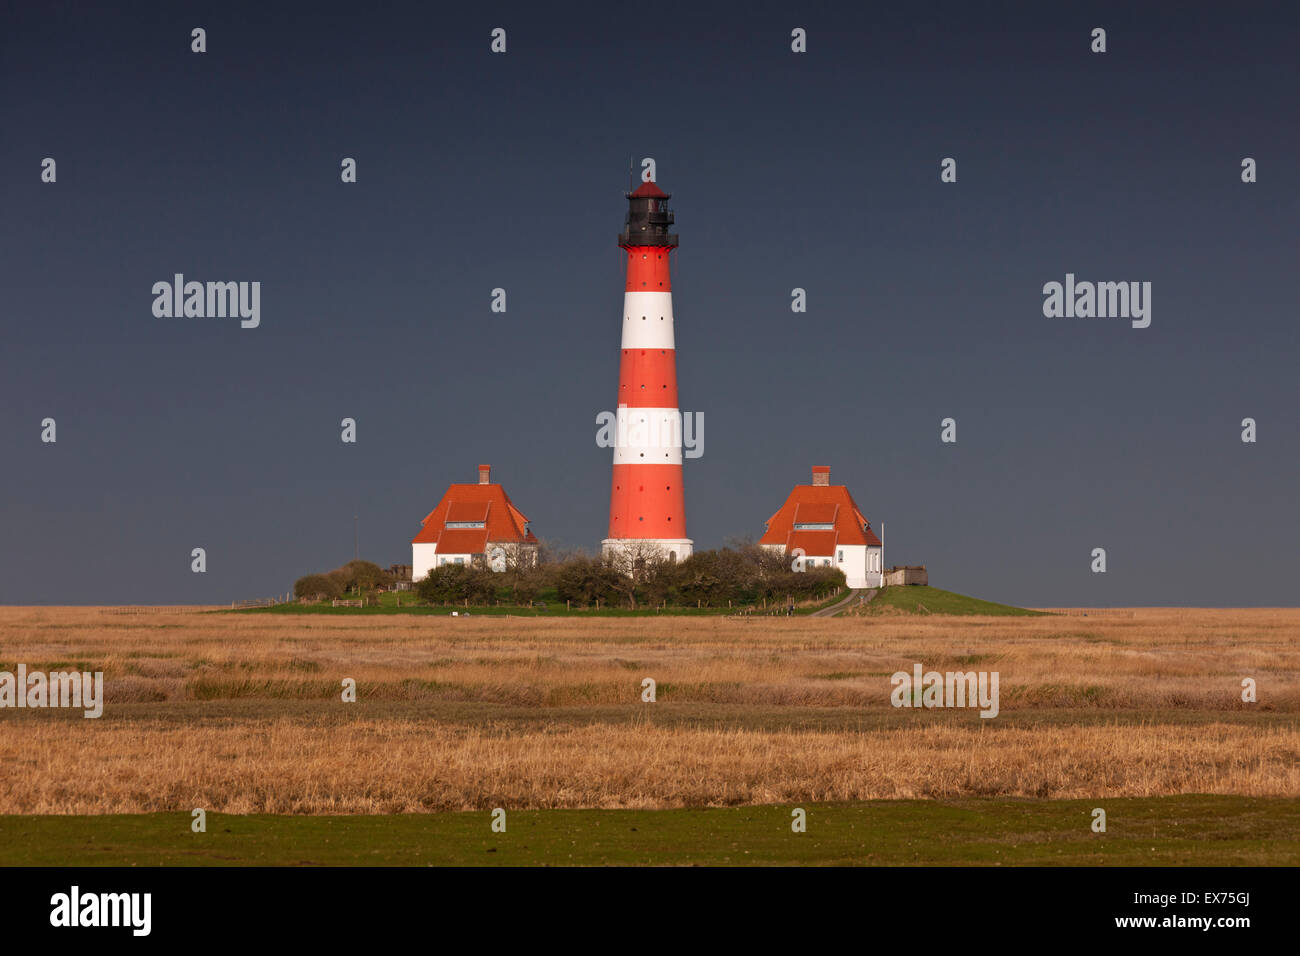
<point x="813" y="584"/>
<point x="316" y="586"/>
<point x="742" y="575"/>
<point x="526" y="584"/>
<point x="359" y="575"/>
<point x="365" y="574"/>
<point x="748" y="574"/>
<point x="458" y="582"/>
<point x="584" y="580"/>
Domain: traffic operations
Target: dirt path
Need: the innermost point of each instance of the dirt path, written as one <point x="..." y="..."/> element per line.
<point x="848" y="600"/>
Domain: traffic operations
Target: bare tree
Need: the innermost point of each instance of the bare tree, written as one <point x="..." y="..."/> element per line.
<point x="522" y="573"/>
<point x="633" y="561"/>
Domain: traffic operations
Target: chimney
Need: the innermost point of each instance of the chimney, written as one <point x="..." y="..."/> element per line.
<point x="485" y="474"/>
<point x="821" y="474"/>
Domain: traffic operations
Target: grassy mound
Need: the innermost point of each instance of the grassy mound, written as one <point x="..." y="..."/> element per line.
<point x="920" y="599"/>
<point x="549" y="605"/>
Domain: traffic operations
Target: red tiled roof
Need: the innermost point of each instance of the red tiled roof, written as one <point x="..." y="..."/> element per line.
<point x="814" y="543"/>
<point x="488" y="503"/>
<point x="468" y="511"/>
<point x="463" y="541"/>
<point x="815" y="512"/>
<point x="648" y="191"/>
<point x="811" y="503"/>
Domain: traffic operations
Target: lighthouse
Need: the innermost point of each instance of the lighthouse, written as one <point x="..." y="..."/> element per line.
<point x="647" y="506"/>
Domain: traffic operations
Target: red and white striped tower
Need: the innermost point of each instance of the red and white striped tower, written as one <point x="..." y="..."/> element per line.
<point x="646" y="503"/>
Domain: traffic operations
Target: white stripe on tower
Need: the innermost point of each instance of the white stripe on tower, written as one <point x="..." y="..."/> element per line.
<point x="648" y="436"/>
<point x="648" y="320"/>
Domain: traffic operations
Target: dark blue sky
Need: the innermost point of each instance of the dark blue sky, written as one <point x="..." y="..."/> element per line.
<point x="819" y="170"/>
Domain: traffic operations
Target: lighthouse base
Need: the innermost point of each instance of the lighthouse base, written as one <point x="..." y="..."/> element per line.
<point x="630" y="549"/>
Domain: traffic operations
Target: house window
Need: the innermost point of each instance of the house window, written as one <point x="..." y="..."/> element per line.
<point x="460" y="560"/>
<point x="841" y="556"/>
<point x="441" y="562"/>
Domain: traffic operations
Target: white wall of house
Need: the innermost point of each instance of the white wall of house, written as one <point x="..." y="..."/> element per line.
<point x="875" y="567"/>
<point x="852" y="560"/>
<point x="860" y="563"/>
<point x="425" y="557"/>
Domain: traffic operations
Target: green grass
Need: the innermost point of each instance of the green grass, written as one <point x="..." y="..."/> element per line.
<point x="920" y="599"/>
<point x="1165" y="831"/>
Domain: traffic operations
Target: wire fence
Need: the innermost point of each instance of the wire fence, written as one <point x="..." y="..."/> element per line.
<point x="159" y="609"/>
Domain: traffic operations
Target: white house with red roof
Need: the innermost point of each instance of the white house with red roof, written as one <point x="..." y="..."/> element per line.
<point x="473" y="524"/>
<point x="822" y="522"/>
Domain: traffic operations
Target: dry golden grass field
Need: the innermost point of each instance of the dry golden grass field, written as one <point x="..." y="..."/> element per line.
<point x="242" y="712"/>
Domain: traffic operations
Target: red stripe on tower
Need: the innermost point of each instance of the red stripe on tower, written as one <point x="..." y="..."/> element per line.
<point x="647" y="508"/>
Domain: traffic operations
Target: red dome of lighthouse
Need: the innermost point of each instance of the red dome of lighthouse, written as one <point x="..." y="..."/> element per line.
<point x="647" y="191"/>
